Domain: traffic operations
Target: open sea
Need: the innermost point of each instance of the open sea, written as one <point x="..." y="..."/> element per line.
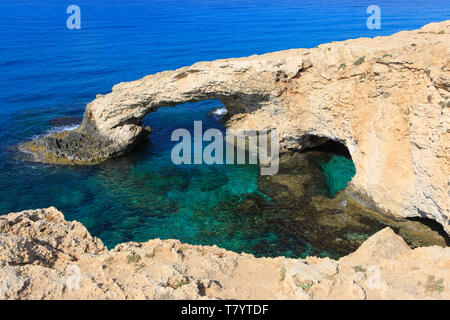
<point x="48" y="72"/>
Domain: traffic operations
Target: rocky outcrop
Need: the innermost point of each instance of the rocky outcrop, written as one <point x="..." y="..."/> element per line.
<point x="387" y="99"/>
<point x="43" y="256"/>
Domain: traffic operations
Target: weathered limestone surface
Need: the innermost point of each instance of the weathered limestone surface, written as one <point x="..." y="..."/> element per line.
<point x="42" y="256"/>
<point x="387" y="99"/>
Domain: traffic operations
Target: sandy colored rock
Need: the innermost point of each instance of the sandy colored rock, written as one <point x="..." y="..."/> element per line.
<point x="42" y="256"/>
<point x="387" y="99"/>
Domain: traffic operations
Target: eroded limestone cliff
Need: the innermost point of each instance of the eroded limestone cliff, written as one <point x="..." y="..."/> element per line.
<point x="43" y="256"/>
<point x="387" y="99"/>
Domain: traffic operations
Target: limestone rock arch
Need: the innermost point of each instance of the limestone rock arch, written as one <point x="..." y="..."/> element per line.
<point x="387" y="99"/>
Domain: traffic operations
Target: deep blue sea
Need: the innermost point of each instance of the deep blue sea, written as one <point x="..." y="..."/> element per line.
<point x="48" y="71"/>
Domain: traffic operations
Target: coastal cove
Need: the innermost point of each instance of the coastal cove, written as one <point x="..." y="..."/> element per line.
<point x="306" y="209"/>
<point x="301" y="211"/>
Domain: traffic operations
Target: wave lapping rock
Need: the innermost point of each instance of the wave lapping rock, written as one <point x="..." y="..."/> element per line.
<point x="43" y="256"/>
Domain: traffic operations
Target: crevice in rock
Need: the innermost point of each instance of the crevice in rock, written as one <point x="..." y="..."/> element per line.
<point x="310" y="142"/>
<point x="433" y="225"/>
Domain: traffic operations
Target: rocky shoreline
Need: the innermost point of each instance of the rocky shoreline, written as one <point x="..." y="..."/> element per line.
<point x="386" y="99"/>
<point x="43" y="256"/>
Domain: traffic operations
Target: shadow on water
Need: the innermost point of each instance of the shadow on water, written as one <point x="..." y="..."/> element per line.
<point x="433" y="225"/>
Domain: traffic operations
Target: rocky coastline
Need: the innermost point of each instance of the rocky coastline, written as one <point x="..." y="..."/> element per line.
<point x="43" y="256"/>
<point x="386" y="99"/>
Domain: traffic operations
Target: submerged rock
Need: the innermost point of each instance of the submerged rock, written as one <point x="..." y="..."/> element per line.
<point x="65" y="121"/>
<point x="303" y="209"/>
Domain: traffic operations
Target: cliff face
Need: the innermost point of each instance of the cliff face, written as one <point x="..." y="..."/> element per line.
<point x="42" y="256"/>
<point x="387" y="99"/>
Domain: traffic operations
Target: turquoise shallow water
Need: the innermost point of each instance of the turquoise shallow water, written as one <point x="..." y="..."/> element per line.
<point x="338" y="170"/>
<point x="144" y="195"/>
<point x="48" y="71"/>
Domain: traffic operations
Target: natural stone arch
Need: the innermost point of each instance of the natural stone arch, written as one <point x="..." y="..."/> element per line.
<point x="386" y="99"/>
<point x="112" y="123"/>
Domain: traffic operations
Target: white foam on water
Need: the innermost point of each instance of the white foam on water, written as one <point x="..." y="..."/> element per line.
<point x="55" y="130"/>
<point x="220" y="111"/>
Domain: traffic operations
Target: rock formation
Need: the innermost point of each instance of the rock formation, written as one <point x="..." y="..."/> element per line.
<point x="387" y="99"/>
<point x="42" y="256"/>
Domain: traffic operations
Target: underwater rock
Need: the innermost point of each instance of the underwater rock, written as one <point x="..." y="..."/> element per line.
<point x="303" y="209"/>
<point x="65" y="121"/>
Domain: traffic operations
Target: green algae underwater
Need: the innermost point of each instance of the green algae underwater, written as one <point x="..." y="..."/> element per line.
<point x="298" y="212"/>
